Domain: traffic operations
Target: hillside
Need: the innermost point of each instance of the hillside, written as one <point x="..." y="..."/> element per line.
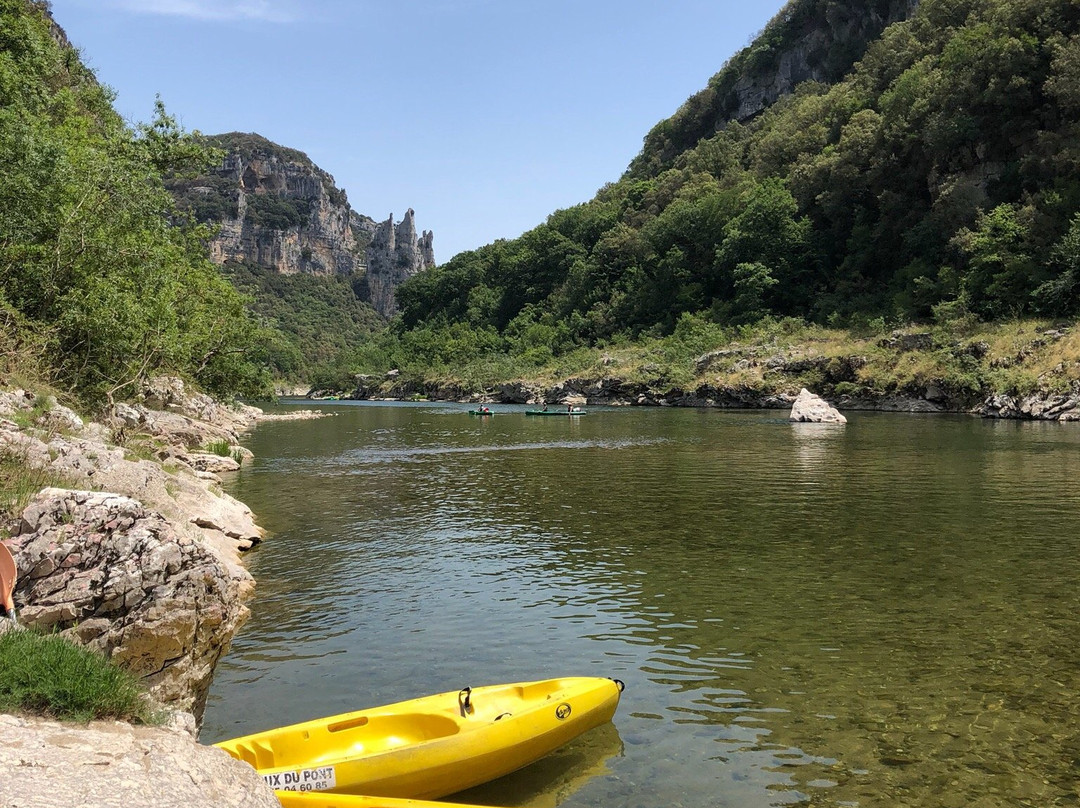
<point x="319" y="275"/>
<point x="926" y="171"/>
<point x="807" y="41"/>
<point x="102" y="282"/>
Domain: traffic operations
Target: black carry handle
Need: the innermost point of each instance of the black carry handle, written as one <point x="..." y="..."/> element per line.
<point x="464" y="699"/>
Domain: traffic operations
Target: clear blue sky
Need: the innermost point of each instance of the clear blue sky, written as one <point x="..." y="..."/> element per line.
<point x="484" y="116"/>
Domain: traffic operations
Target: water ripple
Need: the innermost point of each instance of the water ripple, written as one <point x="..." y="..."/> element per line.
<point x="878" y="615"/>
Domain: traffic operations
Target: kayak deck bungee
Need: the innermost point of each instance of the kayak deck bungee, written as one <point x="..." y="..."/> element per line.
<point x="431" y="746"/>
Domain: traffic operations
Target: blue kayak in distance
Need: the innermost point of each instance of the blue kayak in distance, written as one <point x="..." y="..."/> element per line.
<point x="563" y="413"/>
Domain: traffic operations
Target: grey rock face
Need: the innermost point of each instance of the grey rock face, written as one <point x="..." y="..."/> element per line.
<point x="290" y="217"/>
<point x="394" y="255"/>
<point x="803" y="61"/>
<point x="1041" y="406"/>
<point x="124" y="581"/>
<point x="323" y="242"/>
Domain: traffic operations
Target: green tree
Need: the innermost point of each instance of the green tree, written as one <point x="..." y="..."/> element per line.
<point x="91" y="244"/>
<point x="1001" y="273"/>
<point x="752" y="284"/>
<point x="768" y="232"/>
<point x="1061" y="294"/>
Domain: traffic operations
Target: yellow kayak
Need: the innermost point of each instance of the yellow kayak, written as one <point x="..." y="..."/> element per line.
<point x="431" y="746"/>
<point x="326" y="799"/>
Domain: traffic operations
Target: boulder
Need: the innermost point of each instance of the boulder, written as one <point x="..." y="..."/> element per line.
<point x="124" y="415"/>
<point x="215" y="464"/>
<point x="809" y="408"/>
<point x="59" y="417"/>
<point x="164" y="395"/>
<point x="12" y="401"/>
<point x="121" y="579"/>
<point x="175" y="427"/>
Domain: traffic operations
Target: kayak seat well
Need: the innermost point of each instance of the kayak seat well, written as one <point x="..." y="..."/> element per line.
<point x="362" y="735"/>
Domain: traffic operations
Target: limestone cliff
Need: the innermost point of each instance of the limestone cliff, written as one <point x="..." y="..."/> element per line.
<point x="823" y="49"/>
<point x="394" y="254"/>
<point x="808" y="40"/>
<point x="276" y="209"/>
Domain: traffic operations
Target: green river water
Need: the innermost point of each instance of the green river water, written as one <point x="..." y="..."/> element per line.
<point x="883" y="614"/>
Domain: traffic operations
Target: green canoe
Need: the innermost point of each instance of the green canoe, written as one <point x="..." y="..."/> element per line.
<point x="481" y="412"/>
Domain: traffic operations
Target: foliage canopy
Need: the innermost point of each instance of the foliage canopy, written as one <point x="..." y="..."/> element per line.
<point x="94" y="255"/>
<point x="937" y="175"/>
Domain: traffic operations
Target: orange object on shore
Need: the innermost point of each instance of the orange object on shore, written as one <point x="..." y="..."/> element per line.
<point x="8" y="574"/>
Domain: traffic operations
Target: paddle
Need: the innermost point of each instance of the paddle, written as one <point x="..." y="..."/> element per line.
<point x="8" y="573"/>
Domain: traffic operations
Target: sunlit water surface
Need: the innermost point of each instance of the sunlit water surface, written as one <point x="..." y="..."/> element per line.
<point x="884" y="614"/>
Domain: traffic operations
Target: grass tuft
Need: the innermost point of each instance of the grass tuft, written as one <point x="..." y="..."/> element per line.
<point x="19" y="481"/>
<point x="221" y="448"/>
<point x="47" y="674"/>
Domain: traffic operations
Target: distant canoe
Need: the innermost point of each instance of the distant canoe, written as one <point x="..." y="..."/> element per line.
<point x="481" y="413"/>
<point x="564" y="413"/>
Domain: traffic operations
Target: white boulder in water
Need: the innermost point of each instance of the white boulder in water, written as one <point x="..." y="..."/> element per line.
<point x="809" y="408"/>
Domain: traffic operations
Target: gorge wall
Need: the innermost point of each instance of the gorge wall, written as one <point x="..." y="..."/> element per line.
<point x="823" y="50"/>
<point x="394" y="254"/>
<point x="276" y="209"/>
<point x="808" y="40"/>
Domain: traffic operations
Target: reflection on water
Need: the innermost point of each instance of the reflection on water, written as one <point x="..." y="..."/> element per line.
<point x="878" y="615"/>
<point x="549" y="782"/>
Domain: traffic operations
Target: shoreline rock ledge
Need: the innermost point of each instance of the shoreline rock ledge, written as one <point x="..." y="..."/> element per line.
<point x="138" y="555"/>
<point x="110" y="764"/>
<point x="123" y="580"/>
<point x="813" y="409"/>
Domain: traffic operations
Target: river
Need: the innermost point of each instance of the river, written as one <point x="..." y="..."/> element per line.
<point x="882" y="614"/>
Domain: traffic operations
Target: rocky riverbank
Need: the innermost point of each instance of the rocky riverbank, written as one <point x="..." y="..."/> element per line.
<point x="934" y="397"/>
<point x="133" y="550"/>
<point x="1034" y="376"/>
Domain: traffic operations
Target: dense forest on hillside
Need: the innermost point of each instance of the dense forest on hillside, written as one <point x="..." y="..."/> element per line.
<point x="938" y="179"/>
<point x="931" y="175"/>
<point x="310" y="321"/>
<point x="102" y="282"/>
